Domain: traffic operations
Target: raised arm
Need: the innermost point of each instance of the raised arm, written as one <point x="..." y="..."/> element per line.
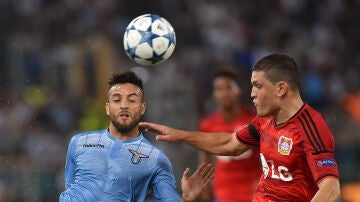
<point x="216" y="143"/>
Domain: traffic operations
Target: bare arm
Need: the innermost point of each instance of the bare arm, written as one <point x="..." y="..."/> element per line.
<point x="329" y="190"/>
<point x="216" y="143"/>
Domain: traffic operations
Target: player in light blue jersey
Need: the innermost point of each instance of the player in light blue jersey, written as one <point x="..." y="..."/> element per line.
<point x="118" y="163"/>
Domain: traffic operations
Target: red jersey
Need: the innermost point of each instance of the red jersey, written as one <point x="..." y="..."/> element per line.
<point x="295" y="155"/>
<point x="235" y="177"/>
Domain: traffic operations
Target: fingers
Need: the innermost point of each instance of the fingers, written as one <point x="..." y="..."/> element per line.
<point x="151" y="127"/>
<point x="206" y="171"/>
<point x="160" y="138"/>
<point x="209" y="175"/>
<point x="203" y="169"/>
<point x="186" y="173"/>
<point x="147" y="124"/>
<point x="143" y="124"/>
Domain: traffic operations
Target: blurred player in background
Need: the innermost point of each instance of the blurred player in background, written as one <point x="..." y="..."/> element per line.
<point x="118" y="163"/>
<point x="296" y="143"/>
<point x="238" y="174"/>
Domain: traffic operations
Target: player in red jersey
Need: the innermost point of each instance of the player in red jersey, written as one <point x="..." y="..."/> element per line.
<point x="238" y="174"/>
<point x="296" y="144"/>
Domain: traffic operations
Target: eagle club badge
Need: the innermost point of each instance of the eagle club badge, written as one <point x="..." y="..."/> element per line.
<point x="285" y="145"/>
<point x="136" y="156"/>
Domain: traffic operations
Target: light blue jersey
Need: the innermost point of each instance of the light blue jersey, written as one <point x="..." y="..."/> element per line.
<point x="102" y="168"/>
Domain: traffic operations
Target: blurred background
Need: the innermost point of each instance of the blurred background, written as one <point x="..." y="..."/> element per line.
<point x="56" y="57"/>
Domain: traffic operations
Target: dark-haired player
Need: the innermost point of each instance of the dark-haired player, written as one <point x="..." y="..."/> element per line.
<point x="296" y="144"/>
<point x="118" y="163"/>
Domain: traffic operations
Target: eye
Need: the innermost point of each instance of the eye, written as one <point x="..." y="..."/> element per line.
<point x="256" y="85"/>
<point x="115" y="99"/>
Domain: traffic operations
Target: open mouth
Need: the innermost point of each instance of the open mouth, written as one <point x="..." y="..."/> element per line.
<point x="124" y="115"/>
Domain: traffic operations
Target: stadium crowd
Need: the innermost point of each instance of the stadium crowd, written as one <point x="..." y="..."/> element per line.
<point x="56" y="57"/>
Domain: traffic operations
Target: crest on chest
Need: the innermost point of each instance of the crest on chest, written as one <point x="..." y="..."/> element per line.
<point x="136" y="156"/>
<point x="285" y="145"/>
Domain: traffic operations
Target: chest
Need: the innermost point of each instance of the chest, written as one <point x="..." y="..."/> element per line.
<point x="117" y="161"/>
<point x="283" y="146"/>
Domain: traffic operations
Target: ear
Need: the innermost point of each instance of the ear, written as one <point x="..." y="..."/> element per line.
<point x="107" y="108"/>
<point x="281" y="88"/>
<point x="143" y="108"/>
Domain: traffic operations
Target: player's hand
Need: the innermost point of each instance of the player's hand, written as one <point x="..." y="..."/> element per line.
<point x="165" y="133"/>
<point x="193" y="186"/>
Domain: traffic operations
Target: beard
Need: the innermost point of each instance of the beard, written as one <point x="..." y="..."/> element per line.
<point x="123" y="128"/>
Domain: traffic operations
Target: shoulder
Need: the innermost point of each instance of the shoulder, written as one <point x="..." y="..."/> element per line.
<point x="262" y="121"/>
<point x="87" y="135"/>
<point x="309" y="117"/>
<point x="315" y="130"/>
<point x="91" y="133"/>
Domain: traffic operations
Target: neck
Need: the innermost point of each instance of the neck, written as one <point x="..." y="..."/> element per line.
<point x="288" y="110"/>
<point x="229" y="114"/>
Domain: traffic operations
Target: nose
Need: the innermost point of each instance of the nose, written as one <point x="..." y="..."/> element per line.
<point x="252" y="94"/>
<point x="123" y="105"/>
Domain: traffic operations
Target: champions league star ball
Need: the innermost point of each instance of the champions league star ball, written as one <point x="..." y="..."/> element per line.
<point x="149" y="40"/>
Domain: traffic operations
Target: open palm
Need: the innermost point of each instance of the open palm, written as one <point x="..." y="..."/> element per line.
<point x="194" y="185"/>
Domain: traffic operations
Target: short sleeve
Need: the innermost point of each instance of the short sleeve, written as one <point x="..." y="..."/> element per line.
<point x="250" y="133"/>
<point x="320" y="149"/>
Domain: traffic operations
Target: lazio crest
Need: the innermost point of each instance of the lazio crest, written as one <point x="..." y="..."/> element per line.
<point x="285" y="145"/>
<point x="136" y="156"/>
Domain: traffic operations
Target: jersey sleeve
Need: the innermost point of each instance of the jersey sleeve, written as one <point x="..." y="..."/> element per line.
<point x="250" y="134"/>
<point x="321" y="145"/>
<point x="164" y="184"/>
<point x="70" y="163"/>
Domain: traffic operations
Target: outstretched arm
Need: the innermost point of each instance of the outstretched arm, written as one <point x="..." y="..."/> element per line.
<point x="193" y="186"/>
<point x="217" y="143"/>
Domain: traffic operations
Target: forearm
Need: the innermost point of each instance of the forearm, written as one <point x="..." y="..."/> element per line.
<point x="216" y="143"/>
<point x="329" y="190"/>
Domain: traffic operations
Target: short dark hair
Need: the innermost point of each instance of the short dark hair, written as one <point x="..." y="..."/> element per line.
<point x="126" y="77"/>
<point x="279" y="67"/>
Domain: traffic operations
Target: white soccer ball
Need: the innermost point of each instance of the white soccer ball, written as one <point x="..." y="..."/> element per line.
<point x="149" y="39"/>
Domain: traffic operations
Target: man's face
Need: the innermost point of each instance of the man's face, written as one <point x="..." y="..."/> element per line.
<point x="125" y="106"/>
<point x="226" y="92"/>
<point x="263" y="94"/>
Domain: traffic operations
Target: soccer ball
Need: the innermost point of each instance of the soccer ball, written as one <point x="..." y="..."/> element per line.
<point x="149" y="39"/>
